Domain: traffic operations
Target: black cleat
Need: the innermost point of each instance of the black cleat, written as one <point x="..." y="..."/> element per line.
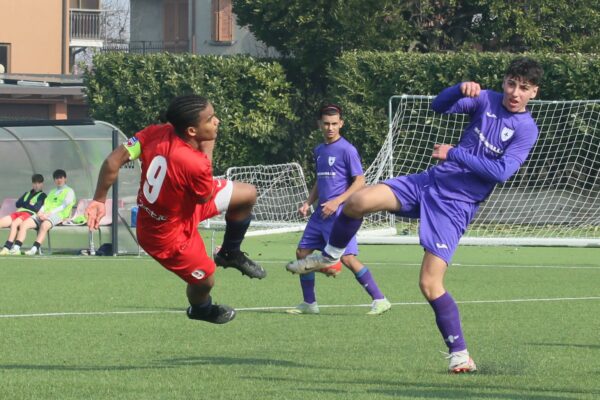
<point x="218" y="314"/>
<point x="238" y="260"/>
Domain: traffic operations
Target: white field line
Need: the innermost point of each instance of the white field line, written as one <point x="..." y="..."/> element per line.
<point x="274" y="308"/>
<point x="282" y="263"/>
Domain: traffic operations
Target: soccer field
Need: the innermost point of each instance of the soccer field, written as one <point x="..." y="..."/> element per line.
<point x="104" y="327"/>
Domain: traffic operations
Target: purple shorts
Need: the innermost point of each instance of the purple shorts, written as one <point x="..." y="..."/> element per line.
<point x="317" y="231"/>
<point x="443" y="221"/>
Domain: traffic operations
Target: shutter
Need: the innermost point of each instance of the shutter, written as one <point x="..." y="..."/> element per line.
<point x="182" y="21"/>
<point x="176" y="14"/>
<point x="169" y="21"/>
<point x="222" y="21"/>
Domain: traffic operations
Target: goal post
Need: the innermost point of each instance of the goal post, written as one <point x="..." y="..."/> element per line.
<point x="553" y="200"/>
<point x="281" y="189"/>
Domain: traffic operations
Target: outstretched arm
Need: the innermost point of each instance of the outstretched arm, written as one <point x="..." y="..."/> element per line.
<point x="445" y="102"/>
<point x="108" y="175"/>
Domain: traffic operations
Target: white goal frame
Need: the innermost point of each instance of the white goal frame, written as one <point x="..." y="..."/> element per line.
<point x="281" y="190"/>
<point x="554" y="199"/>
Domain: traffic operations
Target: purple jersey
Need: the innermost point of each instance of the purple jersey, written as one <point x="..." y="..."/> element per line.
<point x="491" y="149"/>
<point x="337" y="165"/>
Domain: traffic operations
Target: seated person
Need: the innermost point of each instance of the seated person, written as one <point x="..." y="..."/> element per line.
<point x="27" y="205"/>
<point x="57" y="208"/>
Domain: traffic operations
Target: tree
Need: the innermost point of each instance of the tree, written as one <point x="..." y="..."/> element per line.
<point x="114" y="30"/>
<point x="116" y="20"/>
<point x="315" y="32"/>
<point x="538" y="25"/>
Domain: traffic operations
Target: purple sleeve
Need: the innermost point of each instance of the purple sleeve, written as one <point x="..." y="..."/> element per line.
<point x="452" y="101"/>
<point x="354" y="162"/>
<point x="501" y="169"/>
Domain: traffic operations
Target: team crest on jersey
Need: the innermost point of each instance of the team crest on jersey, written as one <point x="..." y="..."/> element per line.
<point x="198" y="274"/>
<point x="131" y="142"/>
<point x="506" y="134"/>
<point x="331" y="160"/>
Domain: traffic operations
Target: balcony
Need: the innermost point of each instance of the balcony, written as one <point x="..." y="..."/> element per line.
<point x="147" y="47"/>
<point x="87" y="28"/>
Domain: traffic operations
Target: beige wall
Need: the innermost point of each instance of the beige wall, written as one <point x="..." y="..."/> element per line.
<point x="33" y="28"/>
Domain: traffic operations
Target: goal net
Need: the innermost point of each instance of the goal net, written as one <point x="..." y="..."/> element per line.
<point x="554" y="199"/>
<point x="281" y="189"/>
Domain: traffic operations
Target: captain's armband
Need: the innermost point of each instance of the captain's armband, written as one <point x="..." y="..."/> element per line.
<point x="133" y="147"/>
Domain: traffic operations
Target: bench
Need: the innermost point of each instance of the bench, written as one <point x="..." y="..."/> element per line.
<point x="8" y="207"/>
<point x="78" y="211"/>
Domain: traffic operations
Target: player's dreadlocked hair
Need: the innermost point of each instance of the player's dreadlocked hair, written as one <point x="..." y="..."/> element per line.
<point x="184" y="112"/>
<point x="527" y="69"/>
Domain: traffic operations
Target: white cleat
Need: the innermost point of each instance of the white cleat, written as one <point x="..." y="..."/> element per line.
<point x="312" y="262"/>
<point x="304" y="308"/>
<point x="32" y="252"/>
<point x="14" y="252"/>
<point x="380" y="306"/>
<point x="461" y="362"/>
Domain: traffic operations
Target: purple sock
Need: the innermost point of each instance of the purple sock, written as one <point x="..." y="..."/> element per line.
<point x="366" y="280"/>
<point x="344" y="228"/>
<point x="447" y="319"/>
<point x="307" y="282"/>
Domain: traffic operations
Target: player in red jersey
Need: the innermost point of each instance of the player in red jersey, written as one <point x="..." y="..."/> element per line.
<point x="177" y="191"/>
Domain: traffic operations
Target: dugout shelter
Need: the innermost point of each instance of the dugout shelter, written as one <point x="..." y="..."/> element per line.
<point x="79" y="147"/>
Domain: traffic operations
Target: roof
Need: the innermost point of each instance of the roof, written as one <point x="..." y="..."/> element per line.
<point x="43" y="87"/>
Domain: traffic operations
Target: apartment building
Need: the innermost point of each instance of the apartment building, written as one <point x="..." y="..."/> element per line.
<point x="38" y="43"/>
<point x="196" y="26"/>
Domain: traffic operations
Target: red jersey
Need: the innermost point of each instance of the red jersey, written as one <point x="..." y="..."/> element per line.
<point x="175" y="179"/>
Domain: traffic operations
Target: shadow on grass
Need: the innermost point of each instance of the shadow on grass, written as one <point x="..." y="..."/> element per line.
<point x="483" y="392"/>
<point x="474" y="387"/>
<point x="75" y="368"/>
<point x="471" y="387"/>
<point x="576" y="345"/>
<point x="233" y="361"/>
<point x="160" y="364"/>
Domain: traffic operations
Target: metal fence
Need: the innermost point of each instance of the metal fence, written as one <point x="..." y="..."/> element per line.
<point x="148" y="47"/>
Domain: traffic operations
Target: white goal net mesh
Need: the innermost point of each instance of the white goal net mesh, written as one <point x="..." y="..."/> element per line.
<point x="281" y="189"/>
<point x="554" y="199"/>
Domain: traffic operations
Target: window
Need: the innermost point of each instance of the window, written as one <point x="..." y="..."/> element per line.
<point x="85" y="4"/>
<point x="222" y="21"/>
<point x="4" y="58"/>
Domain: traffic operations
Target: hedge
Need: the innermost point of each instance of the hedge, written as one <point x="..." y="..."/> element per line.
<point x="362" y="82"/>
<point x="265" y="119"/>
<point x="252" y="98"/>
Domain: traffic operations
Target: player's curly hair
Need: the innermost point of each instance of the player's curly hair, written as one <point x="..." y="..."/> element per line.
<point x="184" y="111"/>
<point x="527" y="69"/>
